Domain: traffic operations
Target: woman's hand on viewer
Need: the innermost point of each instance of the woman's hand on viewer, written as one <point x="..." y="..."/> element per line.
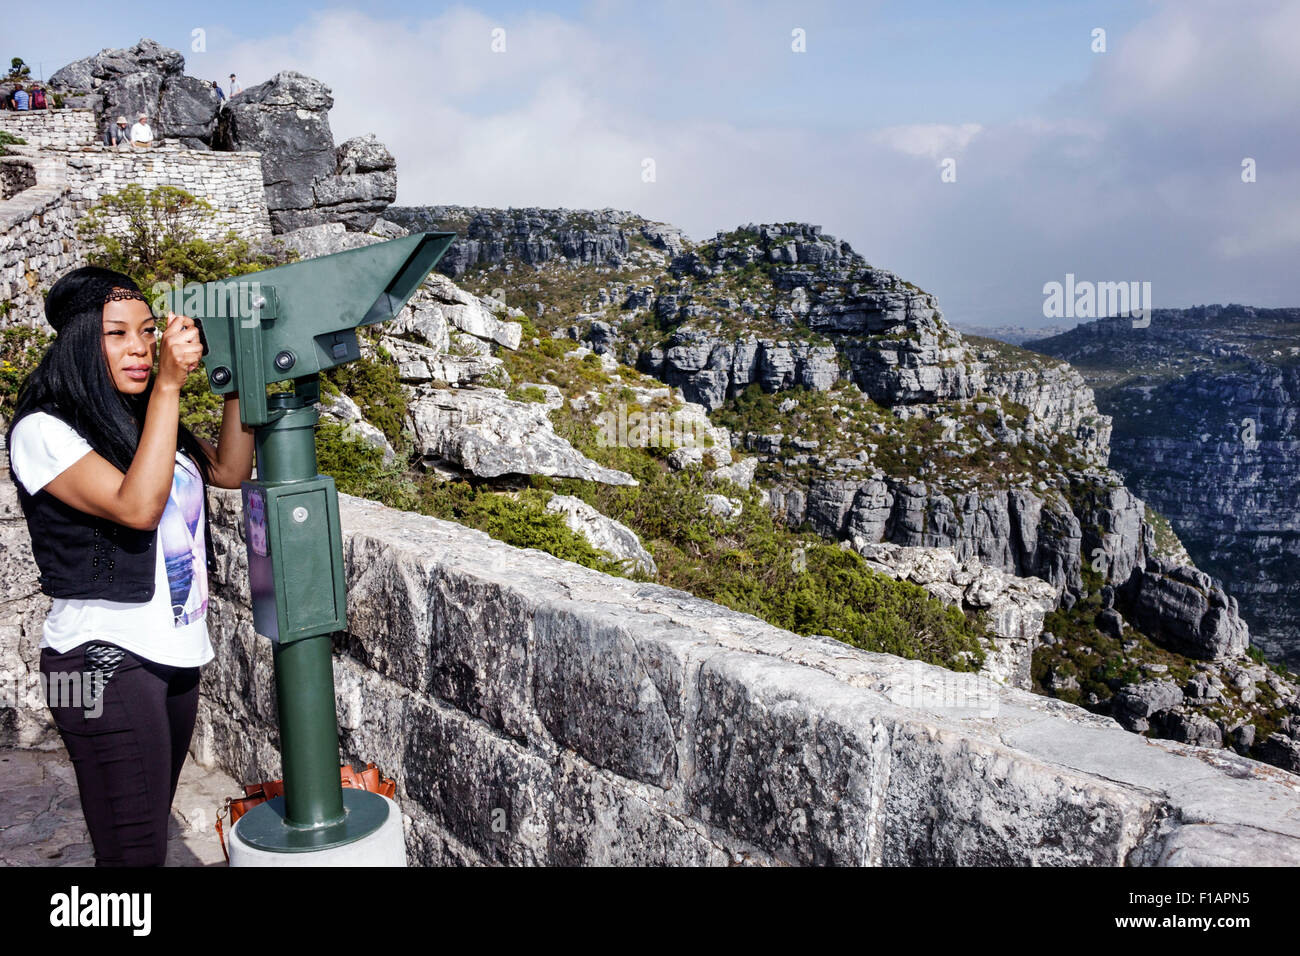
<point x="179" y="351"/>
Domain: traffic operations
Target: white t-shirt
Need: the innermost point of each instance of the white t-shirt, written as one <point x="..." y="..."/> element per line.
<point x="172" y="627"/>
<point x="141" y="133"/>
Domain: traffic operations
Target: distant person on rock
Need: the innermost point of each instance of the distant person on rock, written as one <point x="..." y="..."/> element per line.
<point x="141" y="134"/>
<point x="235" y="88"/>
<point x="221" y="97"/>
<point x="118" y="136"/>
<point x="21" y="99"/>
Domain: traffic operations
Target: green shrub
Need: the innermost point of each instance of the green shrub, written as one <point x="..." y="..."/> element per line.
<point x="358" y="469"/>
<point x="201" y="408"/>
<point x="374" y="384"/>
<point x="527" y="393"/>
<point x="519" y="518"/>
<point x="21" y="349"/>
<point x="152" y="236"/>
<point x="9" y="139"/>
<point x="754" y="564"/>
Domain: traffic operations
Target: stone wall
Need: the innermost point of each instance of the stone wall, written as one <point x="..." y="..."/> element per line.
<point x="16" y="174"/>
<point x="230" y="182"/>
<point x="38" y="239"/>
<point x="52" y="127"/>
<point x="38" y="236"/>
<point x="535" y="712"/>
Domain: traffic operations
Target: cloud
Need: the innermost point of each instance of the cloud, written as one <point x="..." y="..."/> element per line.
<point x="1205" y="62"/>
<point x="933" y="140"/>
<point x="1132" y="173"/>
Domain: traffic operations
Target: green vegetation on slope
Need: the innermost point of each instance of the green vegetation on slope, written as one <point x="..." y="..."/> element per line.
<point x="1087" y="666"/>
<point x="746" y="561"/>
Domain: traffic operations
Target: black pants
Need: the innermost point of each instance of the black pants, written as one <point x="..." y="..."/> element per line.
<point x="127" y="738"/>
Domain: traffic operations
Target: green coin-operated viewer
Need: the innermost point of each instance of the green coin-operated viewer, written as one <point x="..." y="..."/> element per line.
<point x="292" y="323"/>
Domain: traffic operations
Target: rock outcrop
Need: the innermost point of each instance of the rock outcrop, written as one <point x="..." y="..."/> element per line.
<point x="311" y="242"/>
<point x="613" y="537"/>
<point x="887" y="336"/>
<point x="444" y="336"/>
<point x="150" y="78"/>
<point x="337" y="407"/>
<point x="1017" y="531"/>
<point x="709" y="370"/>
<point x="467" y="312"/>
<point x="532" y="236"/>
<point x="1014" y="606"/>
<point x="1056" y="396"/>
<point x="1192" y="712"/>
<point x="486" y="434"/>
<point x="308" y="180"/>
<point x="1185" y="609"/>
<point x="91" y="72"/>
<point x="1206" y="403"/>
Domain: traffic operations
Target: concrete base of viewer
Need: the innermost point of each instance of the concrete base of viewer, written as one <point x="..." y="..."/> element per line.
<point x="385" y="847"/>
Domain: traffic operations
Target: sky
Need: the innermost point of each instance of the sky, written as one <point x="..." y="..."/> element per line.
<point x="979" y="150"/>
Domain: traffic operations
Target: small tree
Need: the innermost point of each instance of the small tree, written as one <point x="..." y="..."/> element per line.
<point x="153" y="236"/>
<point x="18" y="70"/>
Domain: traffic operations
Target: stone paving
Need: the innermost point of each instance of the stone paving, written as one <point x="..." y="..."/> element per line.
<point x="41" y="822"/>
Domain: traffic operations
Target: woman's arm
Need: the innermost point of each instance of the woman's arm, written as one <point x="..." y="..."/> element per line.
<point x="232" y="456"/>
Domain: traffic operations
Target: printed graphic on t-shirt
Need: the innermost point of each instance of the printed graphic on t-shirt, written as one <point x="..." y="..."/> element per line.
<point x="181" y="535"/>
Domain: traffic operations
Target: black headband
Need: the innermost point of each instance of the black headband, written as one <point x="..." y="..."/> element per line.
<point x="120" y="293"/>
<point x="92" y="298"/>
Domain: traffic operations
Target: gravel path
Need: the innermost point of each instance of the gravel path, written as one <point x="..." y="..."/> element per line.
<point x="41" y="822"/>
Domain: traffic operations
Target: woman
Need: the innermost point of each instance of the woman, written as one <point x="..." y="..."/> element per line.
<point x="113" y="490"/>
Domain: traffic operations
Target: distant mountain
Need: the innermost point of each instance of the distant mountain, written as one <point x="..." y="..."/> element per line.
<point x="1011" y="334"/>
<point x="1206" y="410"/>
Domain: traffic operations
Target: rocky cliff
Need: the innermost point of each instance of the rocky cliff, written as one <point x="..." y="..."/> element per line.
<point x="533" y="237"/>
<point x="1206" y="408"/>
<point x="864" y="416"/>
<point x="797" y="313"/>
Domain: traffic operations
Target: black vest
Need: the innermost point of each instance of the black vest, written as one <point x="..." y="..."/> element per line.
<point x="83" y="556"/>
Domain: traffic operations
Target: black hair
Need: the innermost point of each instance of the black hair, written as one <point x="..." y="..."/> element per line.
<point x="74" y="378"/>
